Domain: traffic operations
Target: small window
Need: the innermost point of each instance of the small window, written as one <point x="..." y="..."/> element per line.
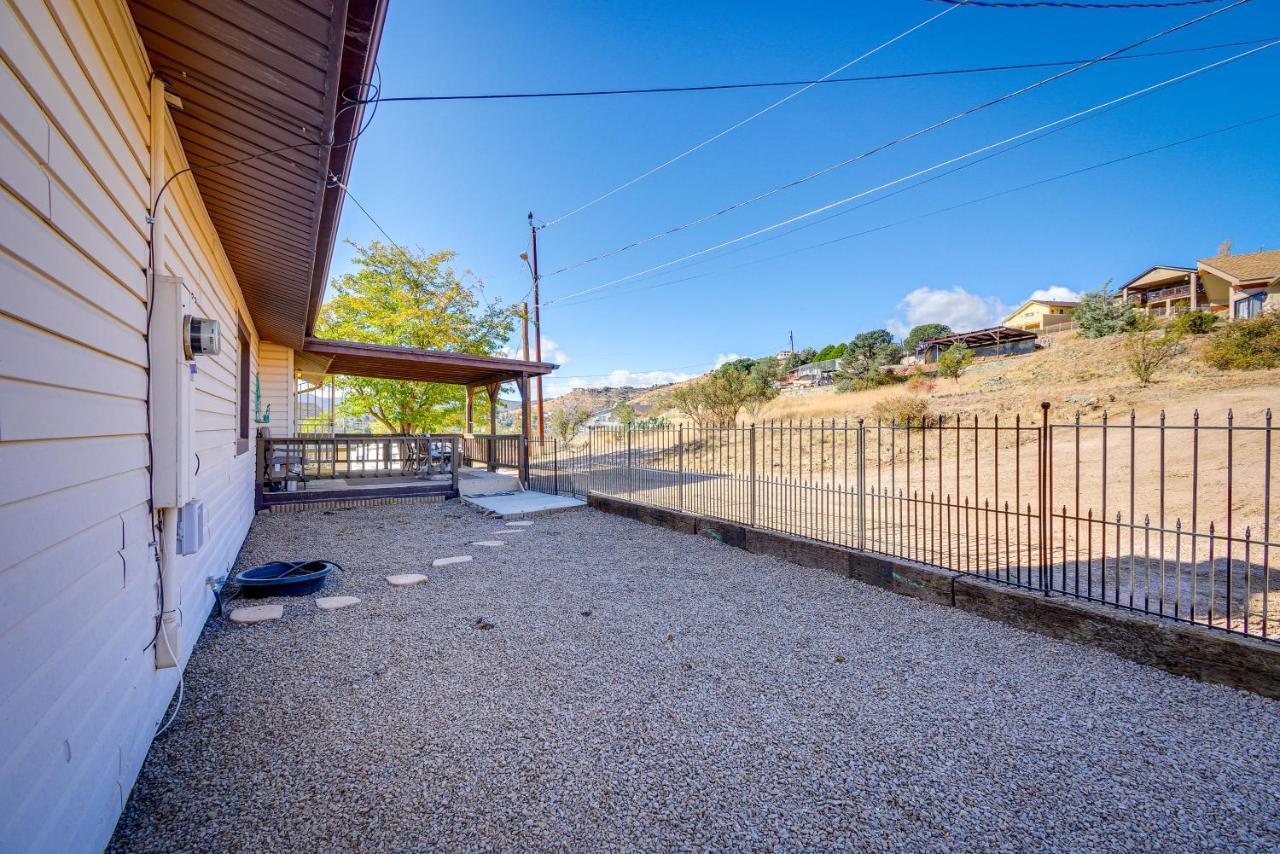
<point x="1250" y="306"/>
<point x="244" y="379"/>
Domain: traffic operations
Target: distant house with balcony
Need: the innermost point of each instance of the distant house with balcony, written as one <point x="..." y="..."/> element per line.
<point x="1234" y="286"/>
<point x="1041" y="315"/>
<point x="1245" y="284"/>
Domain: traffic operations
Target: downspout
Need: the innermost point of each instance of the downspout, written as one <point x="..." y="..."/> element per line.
<point x="168" y="641"/>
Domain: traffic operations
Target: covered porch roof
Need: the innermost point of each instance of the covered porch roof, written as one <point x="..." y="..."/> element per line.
<point x="978" y="337"/>
<point x="410" y="363"/>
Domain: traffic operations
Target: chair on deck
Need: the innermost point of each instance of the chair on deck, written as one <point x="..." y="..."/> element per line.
<point x="280" y="463"/>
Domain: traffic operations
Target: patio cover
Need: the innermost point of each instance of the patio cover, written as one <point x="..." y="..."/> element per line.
<point x="979" y="337"/>
<point x="410" y="363"/>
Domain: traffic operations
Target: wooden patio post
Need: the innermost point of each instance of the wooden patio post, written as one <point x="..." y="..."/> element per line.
<point x="470" y="410"/>
<point x="491" y="445"/>
<point x="524" y="430"/>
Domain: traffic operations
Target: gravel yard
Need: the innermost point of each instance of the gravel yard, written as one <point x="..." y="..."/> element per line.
<point x="640" y="688"/>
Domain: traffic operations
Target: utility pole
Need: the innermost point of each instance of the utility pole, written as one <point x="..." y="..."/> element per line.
<point x="524" y="331"/>
<point x="537" y="324"/>
<point x="791" y="336"/>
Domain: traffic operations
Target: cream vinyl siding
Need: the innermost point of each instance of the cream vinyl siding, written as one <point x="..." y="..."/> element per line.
<point x="81" y="694"/>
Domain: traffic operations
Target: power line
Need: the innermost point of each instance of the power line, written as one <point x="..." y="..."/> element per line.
<point x="749" y="118"/>
<point x="949" y="208"/>
<point x="841" y="202"/>
<point x="865" y="78"/>
<point x="893" y="142"/>
<point x="1070" y="4"/>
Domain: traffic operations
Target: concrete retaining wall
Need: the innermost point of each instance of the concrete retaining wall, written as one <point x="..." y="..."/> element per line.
<point x="1178" y="648"/>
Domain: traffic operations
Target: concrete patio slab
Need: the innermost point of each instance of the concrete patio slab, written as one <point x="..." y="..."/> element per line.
<point x="523" y="504"/>
<point x="407" y="579"/>
<point x="257" y="614"/>
<point x="333" y="603"/>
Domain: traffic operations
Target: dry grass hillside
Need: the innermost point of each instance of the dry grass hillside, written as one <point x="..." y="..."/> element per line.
<point x="1073" y="373"/>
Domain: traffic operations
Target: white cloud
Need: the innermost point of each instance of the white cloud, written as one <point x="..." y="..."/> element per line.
<point x="551" y="351"/>
<point x="1057" y="292"/>
<point x="724" y="359"/>
<point x="557" y="385"/>
<point x="957" y="308"/>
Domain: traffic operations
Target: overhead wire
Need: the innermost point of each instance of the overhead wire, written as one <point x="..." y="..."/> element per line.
<point x="862" y="78"/>
<point x="933" y="168"/>
<point x="948" y="208"/>
<point x="748" y="119"/>
<point x="893" y="142"/>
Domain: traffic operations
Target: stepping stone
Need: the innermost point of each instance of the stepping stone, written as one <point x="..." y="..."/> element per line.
<point x="257" y="614"/>
<point x="406" y="580"/>
<point x="333" y="603"/>
<point x="520" y="524"/>
<point x="450" y="561"/>
<point x="488" y="543"/>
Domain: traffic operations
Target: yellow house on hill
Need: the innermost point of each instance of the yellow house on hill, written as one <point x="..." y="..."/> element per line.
<point x="1038" y="315"/>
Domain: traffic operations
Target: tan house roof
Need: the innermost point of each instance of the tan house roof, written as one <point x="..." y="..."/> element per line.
<point x="1248" y="267"/>
<point x="1052" y="303"/>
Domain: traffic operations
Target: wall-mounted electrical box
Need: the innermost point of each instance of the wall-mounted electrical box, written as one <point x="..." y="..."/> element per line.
<point x="172" y="382"/>
<point x="200" y="337"/>
<point x="192" y="531"/>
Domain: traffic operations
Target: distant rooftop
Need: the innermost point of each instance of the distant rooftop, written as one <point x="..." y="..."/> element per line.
<point x="1247" y="267"/>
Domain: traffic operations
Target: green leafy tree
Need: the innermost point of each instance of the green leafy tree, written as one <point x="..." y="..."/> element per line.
<point x="953" y="361"/>
<point x="624" y="413"/>
<point x="804" y="356"/>
<point x="1100" y="314"/>
<point x="744" y="364"/>
<point x="566" y="421"/>
<point x="924" y="332"/>
<point x="410" y="298"/>
<point x="866" y="354"/>
<point x="717" y="398"/>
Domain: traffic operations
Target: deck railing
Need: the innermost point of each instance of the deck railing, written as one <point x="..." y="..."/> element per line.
<point x="1178" y="521"/>
<point x="291" y="462"/>
<point x="493" y="451"/>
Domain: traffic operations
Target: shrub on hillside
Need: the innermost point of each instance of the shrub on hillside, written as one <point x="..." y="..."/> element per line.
<point x="954" y="360"/>
<point x="920" y="383"/>
<point x="1194" y="323"/>
<point x="1147" y="350"/>
<point x="1100" y="314"/>
<point x="902" y="409"/>
<point x="1245" y="345"/>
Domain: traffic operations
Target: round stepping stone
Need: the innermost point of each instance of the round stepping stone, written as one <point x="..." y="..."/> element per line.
<point x="488" y="543"/>
<point x="450" y="561"/>
<point x="257" y="614"/>
<point x="408" y="579"/>
<point x="333" y="603"/>
<point x="520" y="524"/>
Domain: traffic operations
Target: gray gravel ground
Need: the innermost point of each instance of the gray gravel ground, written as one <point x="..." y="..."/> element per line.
<point x="641" y="688"/>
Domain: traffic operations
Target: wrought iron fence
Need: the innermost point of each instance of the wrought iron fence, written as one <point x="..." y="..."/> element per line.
<point x="1174" y="520"/>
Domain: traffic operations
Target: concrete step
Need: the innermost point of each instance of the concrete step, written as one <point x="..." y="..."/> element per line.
<point x="475" y="482"/>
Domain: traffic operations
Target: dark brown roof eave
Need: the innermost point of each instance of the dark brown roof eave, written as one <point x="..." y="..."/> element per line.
<point x="409" y="363"/>
<point x="365" y="20"/>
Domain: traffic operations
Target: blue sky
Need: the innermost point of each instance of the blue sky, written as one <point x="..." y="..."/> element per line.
<point x="463" y="175"/>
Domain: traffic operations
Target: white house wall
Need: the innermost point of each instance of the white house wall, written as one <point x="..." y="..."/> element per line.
<point x="81" y="695"/>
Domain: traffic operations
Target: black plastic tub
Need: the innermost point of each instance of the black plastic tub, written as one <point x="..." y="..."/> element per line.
<point x="285" y="578"/>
